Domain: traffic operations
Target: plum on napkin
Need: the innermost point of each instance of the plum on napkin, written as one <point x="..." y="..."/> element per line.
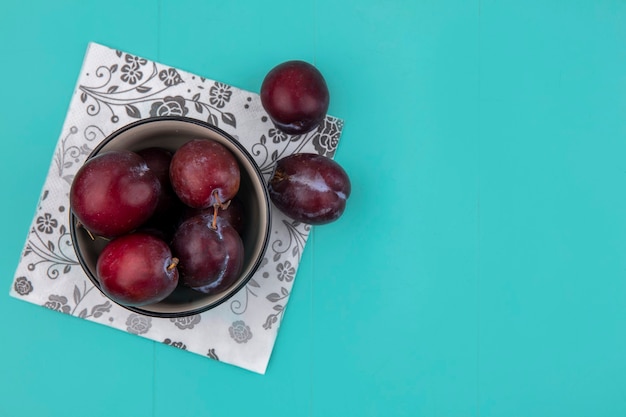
<point x="115" y="88"/>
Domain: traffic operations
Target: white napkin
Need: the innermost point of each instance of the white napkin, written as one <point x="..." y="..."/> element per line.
<point x="115" y="88"/>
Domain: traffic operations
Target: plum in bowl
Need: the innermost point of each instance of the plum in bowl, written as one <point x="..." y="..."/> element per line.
<point x="250" y="198"/>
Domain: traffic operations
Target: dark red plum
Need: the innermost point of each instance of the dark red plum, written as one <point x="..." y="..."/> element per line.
<point x="295" y="96"/>
<point x="113" y="193"/>
<point x="137" y="269"/>
<point x="310" y="188"/>
<point x="211" y="259"/>
<point x="204" y="173"/>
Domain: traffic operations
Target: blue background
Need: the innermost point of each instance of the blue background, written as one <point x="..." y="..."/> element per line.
<point x="480" y="267"/>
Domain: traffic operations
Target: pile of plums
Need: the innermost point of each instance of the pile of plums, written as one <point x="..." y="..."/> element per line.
<point x="306" y="187"/>
<point x="174" y="218"/>
<point x="167" y="216"/>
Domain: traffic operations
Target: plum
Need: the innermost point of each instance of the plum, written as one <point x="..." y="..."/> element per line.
<point x="295" y="96"/>
<point x="210" y="252"/>
<point x="310" y="188"/>
<point x="113" y="193"/>
<point x="137" y="269"/>
<point x="204" y="173"/>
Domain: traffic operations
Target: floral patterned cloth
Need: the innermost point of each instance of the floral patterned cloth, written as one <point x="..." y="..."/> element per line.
<point x="115" y="88"/>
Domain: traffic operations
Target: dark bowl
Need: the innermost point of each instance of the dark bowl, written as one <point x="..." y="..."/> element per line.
<point x="170" y="133"/>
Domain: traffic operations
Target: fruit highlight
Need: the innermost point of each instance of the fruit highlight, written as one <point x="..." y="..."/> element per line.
<point x="295" y="96"/>
<point x="114" y="193"/>
<point x="310" y="188"/>
<point x="172" y="218"/>
<point x="211" y="257"/>
<point x="137" y="269"/>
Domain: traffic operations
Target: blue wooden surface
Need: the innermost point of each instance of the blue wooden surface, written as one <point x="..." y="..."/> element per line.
<point x="480" y="267"/>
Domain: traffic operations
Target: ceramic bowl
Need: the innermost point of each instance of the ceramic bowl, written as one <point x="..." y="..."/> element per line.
<point x="170" y="133"/>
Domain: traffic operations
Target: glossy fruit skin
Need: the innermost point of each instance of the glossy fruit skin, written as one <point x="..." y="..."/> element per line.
<point x="203" y="173"/>
<point x="158" y="161"/>
<point x="295" y="96"/>
<point x="210" y="259"/>
<point x="136" y="269"/>
<point x="233" y="214"/>
<point x="310" y="188"/>
<point x="113" y="193"/>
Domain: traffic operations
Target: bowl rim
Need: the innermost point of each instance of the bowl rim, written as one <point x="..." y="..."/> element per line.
<point x="266" y="233"/>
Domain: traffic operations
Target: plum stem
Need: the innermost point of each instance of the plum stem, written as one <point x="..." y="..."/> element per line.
<point x="214" y="223"/>
<point x="173" y="264"/>
<point x="219" y="203"/>
<point x="279" y="175"/>
<point x="216" y="206"/>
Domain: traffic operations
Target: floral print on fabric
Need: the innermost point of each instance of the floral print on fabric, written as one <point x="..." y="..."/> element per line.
<point x="116" y="88"/>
